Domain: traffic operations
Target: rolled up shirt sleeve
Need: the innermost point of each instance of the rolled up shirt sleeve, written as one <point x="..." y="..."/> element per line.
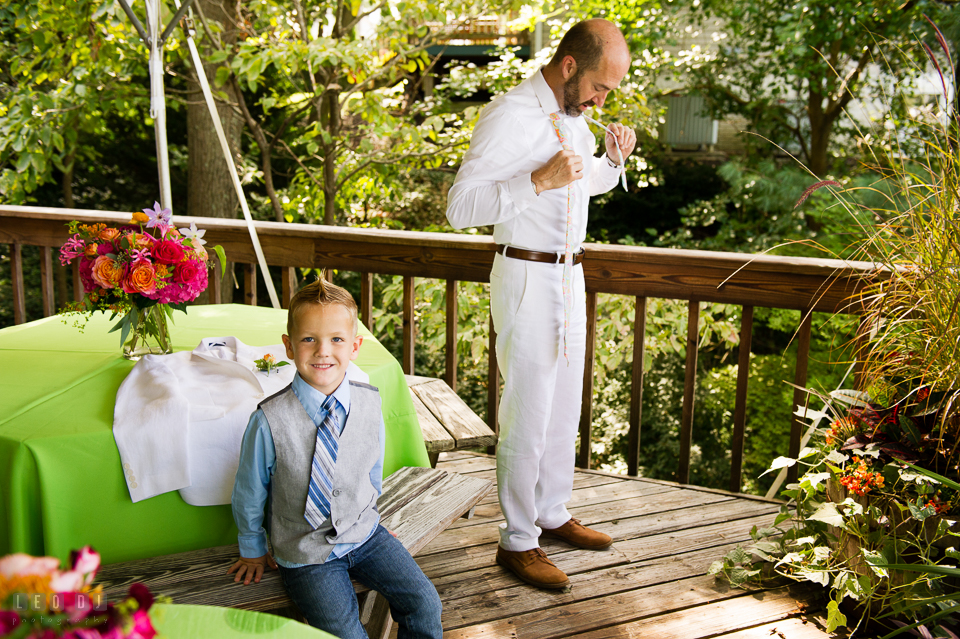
<point x="251" y="488"/>
<point x="603" y="177"/>
<point x="493" y="184"/>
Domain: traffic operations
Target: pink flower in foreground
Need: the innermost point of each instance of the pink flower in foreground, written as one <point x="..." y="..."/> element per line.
<point x="142" y="628"/>
<point x="21" y="564"/>
<point x="69" y="581"/>
<point x="86" y="561"/>
<point x="86" y="275"/>
<point x="167" y="252"/>
<point x="187" y="272"/>
<point x="9" y="621"/>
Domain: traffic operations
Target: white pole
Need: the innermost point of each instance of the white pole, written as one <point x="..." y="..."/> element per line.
<point x="158" y="108"/>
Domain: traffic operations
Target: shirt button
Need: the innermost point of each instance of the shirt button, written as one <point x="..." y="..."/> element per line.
<point x="336" y="493"/>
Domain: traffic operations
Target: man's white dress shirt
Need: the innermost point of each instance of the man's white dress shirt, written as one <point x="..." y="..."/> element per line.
<point x="513" y="138"/>
<point x="179" y="418"/>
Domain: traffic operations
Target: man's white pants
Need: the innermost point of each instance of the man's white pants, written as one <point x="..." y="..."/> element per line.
<point x="540" y="407"/>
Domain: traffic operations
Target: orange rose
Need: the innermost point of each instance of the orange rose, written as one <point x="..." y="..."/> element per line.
<point x="109" y="234"/>
<point x="91" y="250"/>
<point x="141" y="279"/>
<point x="106" y="272"/>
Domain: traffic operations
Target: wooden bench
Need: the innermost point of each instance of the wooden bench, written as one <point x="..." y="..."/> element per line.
<point x="417" y="504"/>
<point x="446" y="421"/>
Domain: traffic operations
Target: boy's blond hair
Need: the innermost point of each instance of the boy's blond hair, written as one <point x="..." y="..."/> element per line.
<point x="321" y="292"/>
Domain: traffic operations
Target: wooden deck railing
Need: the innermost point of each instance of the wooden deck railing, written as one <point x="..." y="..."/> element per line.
<point x="749" y="281"/>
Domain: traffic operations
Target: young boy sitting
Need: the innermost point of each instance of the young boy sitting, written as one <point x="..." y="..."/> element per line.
<point x="313" y="453"/>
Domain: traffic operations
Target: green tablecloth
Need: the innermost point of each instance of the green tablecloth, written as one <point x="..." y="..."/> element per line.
<point x="61" y="484"/>
<point x="173" y="621"/>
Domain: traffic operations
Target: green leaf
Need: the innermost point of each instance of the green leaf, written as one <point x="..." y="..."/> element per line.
<point x="828" y="514"/>
<point x="221" y="256"/>
<point x="835" y="618"/>
<point x="222" y="77"/>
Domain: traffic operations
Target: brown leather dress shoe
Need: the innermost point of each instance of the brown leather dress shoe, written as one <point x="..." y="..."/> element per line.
<point x="573" y="532"/>
<point x="533" y="567"/>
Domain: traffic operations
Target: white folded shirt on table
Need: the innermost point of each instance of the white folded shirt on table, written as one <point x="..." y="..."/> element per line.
<point x="179" y="418"/>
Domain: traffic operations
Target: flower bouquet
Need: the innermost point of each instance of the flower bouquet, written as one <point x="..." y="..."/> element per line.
<point x="143" y="271"/>
<point x="39" y="601"/>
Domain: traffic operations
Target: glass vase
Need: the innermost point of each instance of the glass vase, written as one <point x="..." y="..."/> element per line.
<point x="149" y="333"/>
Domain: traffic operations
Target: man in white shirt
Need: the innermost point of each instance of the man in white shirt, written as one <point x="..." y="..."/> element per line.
<point x="530" y="171"/>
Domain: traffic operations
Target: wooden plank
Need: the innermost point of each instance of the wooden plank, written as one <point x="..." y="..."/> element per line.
<point x="467" y="463"/>
<point x="708" y="620"/>
<point x="419" y="521"/>
<point x="460" y="584"/>
<point x="793" y="628"/>
<point x="453" y="314"/>
<point x="579" y="483"/>
<point x="46" y="281"/>
<point x="16" y="282"/>
<point x="586" y="398"/>
<point x="493" y="387"/>
<point x="797" y="425"/>
<point x="489" y="512"/>
<point x="570" y="618"/>
<point x="461" y="422"/>
<point x="740" y="404"/>
<point x="413" y="380"/>
<point x="435" y="436"/>
<point x="409" y="326"/>
<point x="611" y="518"/>
<point x="521" y="598"/>
<point x="456" y="563"/>
<point x="689" y="387"/>
<point x="636" y="388"/>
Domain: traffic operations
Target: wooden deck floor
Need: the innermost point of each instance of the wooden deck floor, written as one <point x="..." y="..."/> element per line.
<point x="651" y="583"/>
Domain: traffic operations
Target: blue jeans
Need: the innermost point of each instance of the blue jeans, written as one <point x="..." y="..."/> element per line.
<point x="326" y="597"/>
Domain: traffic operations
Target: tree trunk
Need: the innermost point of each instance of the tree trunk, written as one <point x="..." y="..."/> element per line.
<point x="210" y="190"/>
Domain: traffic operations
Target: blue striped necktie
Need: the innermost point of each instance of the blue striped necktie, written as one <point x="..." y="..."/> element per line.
<point x="324" y="460"/>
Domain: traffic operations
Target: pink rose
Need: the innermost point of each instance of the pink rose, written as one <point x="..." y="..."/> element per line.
<point x="86" y="275"/>
<point x="167" y="252"/>
<point x="9" y="621"/>
<point x="187" y="272"/>
<point x="142" y="628"/>
<point x="86" y="561"/>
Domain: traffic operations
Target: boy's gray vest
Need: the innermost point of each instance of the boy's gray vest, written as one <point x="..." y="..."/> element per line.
<point x="353" y="504"/>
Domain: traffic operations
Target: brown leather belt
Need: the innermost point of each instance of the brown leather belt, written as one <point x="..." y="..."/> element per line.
<point x="536" y="256"/>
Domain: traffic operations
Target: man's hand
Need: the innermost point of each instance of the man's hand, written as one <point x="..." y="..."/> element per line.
<point x="627" y="139"/>
<point x="559" y="171"/>
<point x="251" y="568"/>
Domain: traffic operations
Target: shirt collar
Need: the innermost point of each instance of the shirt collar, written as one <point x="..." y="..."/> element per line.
<point x="548" y="100"/>
<point x="312" y="399"/>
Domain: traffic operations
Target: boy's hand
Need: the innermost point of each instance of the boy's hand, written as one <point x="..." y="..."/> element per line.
<point x="248" y="568"/>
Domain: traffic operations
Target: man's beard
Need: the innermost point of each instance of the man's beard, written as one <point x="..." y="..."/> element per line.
<point x="571" y="95"/>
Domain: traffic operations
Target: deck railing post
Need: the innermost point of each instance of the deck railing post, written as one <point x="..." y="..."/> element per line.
<point x="689" y="387"/>
<point x="800" y="396"/>
<point x="16" y="281"/>
<point x="288" y="285"/>
<point x="636" y="388"/>
<point x="46" y="280"/>
<point x="366" y="299"/>
<point x="409" y="328"/>
<point x="586" y="403"/>
<point x="740" y="406"/>
<point x="453" y="315"/>
<point x="250" y="284"/>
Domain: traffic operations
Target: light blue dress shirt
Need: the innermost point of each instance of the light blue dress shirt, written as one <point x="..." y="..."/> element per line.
<point x="258" y="458"/>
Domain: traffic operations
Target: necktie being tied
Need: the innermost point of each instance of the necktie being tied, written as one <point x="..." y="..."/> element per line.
<point x="324" y="460"/>
<point x="567" y="282"/>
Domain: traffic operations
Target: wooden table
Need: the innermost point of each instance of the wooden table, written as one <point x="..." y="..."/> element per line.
<point x="446" y="421"/>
